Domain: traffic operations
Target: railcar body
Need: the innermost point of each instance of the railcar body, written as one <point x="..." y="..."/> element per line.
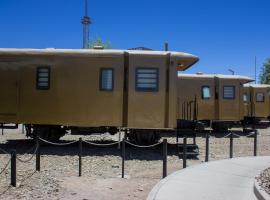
<point x="256" y="102"/>
<point x="53" y="90"/>
<point x="211" y="98"/>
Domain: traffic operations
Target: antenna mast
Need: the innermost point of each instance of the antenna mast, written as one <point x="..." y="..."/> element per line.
<point x="86" y="21"/>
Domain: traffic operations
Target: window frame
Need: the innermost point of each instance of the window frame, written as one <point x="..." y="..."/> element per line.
<point x="247" y="97"/>
<point x="100" y="79"/>
<point x="257" y="98"/>
<point x="202" y="94"/>
<point x="229" y="98"/>
<point x="38" y="87"/>
<point x="138" y="89"/>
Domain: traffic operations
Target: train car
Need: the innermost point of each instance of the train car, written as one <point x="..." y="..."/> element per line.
<point x="256" y="102"/>
<point x="210" y="98"/>
<point x="90" y="91"/>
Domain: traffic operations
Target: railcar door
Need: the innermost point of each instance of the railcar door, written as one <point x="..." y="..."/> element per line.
<point x="261" y="102"/>
<point x="248" y="102"/>
<point x="8" y="93"/>
<point x="147" y="91"/>
<point x="229" y="106"/>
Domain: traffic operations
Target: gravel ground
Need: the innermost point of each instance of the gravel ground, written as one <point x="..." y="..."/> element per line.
<point x="264" y="180"/>
<point x="58" y="178"/>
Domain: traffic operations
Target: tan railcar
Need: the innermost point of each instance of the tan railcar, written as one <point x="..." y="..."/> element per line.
<point x="215" y="98"/>
<point x="256" y="102"/>
<point x="79" y="89"/>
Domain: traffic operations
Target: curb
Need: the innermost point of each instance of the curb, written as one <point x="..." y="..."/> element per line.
<point x="259" y="193"/>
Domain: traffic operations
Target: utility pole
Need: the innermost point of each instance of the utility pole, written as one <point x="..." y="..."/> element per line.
<point x="255" y="69"/>
<point x="86" y="21"/>
<point x="166" y="46"/>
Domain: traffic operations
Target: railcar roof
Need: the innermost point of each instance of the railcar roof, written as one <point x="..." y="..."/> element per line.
<point x="257" y="85"/>
<point x="185" y="60"/>
<point x="52" y="51"/>
<point x="221" y="76"/>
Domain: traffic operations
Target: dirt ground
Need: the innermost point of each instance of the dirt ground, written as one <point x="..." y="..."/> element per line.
<point x="101" y="167"/>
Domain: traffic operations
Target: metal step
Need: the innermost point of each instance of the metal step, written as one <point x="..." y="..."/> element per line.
<point x="192" y="150"/>
<point x="8" y="126"/>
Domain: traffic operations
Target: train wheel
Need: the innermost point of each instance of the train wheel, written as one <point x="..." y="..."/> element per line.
<point x="220" y="127"/>
<point x="143" y="137"/>
<point x="50" y="133"/>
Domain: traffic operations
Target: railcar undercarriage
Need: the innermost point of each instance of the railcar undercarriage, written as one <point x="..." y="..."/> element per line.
<point x="55" y="132"/>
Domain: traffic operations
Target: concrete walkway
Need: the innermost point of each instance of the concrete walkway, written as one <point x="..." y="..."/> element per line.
<point x="230" y="179"/>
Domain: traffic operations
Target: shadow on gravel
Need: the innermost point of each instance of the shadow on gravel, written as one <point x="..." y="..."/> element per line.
<point x="27" y="145"/>
<point x="24" y="145"/>
<point x="203" y="133"/>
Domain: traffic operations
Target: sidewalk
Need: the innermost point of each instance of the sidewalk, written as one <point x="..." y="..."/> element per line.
<point x="230" y="179"/>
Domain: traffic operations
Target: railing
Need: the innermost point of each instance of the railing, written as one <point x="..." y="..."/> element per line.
<point x="13" y="164"/>
<point x="37" y="152"/>
<point x="190" y="110"/>
<point x="231" y="135"/>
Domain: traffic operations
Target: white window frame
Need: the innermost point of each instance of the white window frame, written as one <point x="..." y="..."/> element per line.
<point x="233" y="90"/>
<point x="260" y="100"/>
<point x="43" y="78"/>
<point x="202" y="92"/>
<point x="147" y="79"/>
<point x="101" y="77"/>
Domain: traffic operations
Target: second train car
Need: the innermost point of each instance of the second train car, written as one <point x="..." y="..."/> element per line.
<point x="210" y="99"/>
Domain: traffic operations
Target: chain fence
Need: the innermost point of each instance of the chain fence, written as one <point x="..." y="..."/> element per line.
<point x="123" y="152"/>
<point x="144" y="146"/>
<point x="39" y="141"/>
<point x="5" y="167"/>
<point x="3" y="151"/>
<point x="31" y="157"/>
<point x="57" y="144"/>
<point x="101" y="145"/>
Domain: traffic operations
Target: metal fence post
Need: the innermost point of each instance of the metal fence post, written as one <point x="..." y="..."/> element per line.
<point x="37" y="154"/>
<point x="123" y="157"/>
<point x="177" y="139"/>
<point x="253" y="124"/>
<point x="80" y="156"/>
<point x="119" y="138"/>
<point x="13" y="168"/>
<point x="207" y="147"/>
<point x="2" y="126"/>
<point x="231" y="145"/>
<point x="165" y="152"/>
<point x="184" y="152"/>
<point x="194" y="139"/>
<point x="255" y="142"/>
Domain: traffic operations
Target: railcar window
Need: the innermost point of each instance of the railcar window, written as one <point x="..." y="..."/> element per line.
<point x="245" y="97"/>
<point x="147" y="79"/>
<point x="206" y="92"/>
<point x="228" y="92"/>
<point x="259" y="97"/>
<point x="43" y="78"/>
<point x="106" y="79"/>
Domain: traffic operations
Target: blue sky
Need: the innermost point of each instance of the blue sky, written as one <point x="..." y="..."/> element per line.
<point x="223" y="33"/>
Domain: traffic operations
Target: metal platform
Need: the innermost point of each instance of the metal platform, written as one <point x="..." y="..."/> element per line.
<point x="192" y="150"/>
